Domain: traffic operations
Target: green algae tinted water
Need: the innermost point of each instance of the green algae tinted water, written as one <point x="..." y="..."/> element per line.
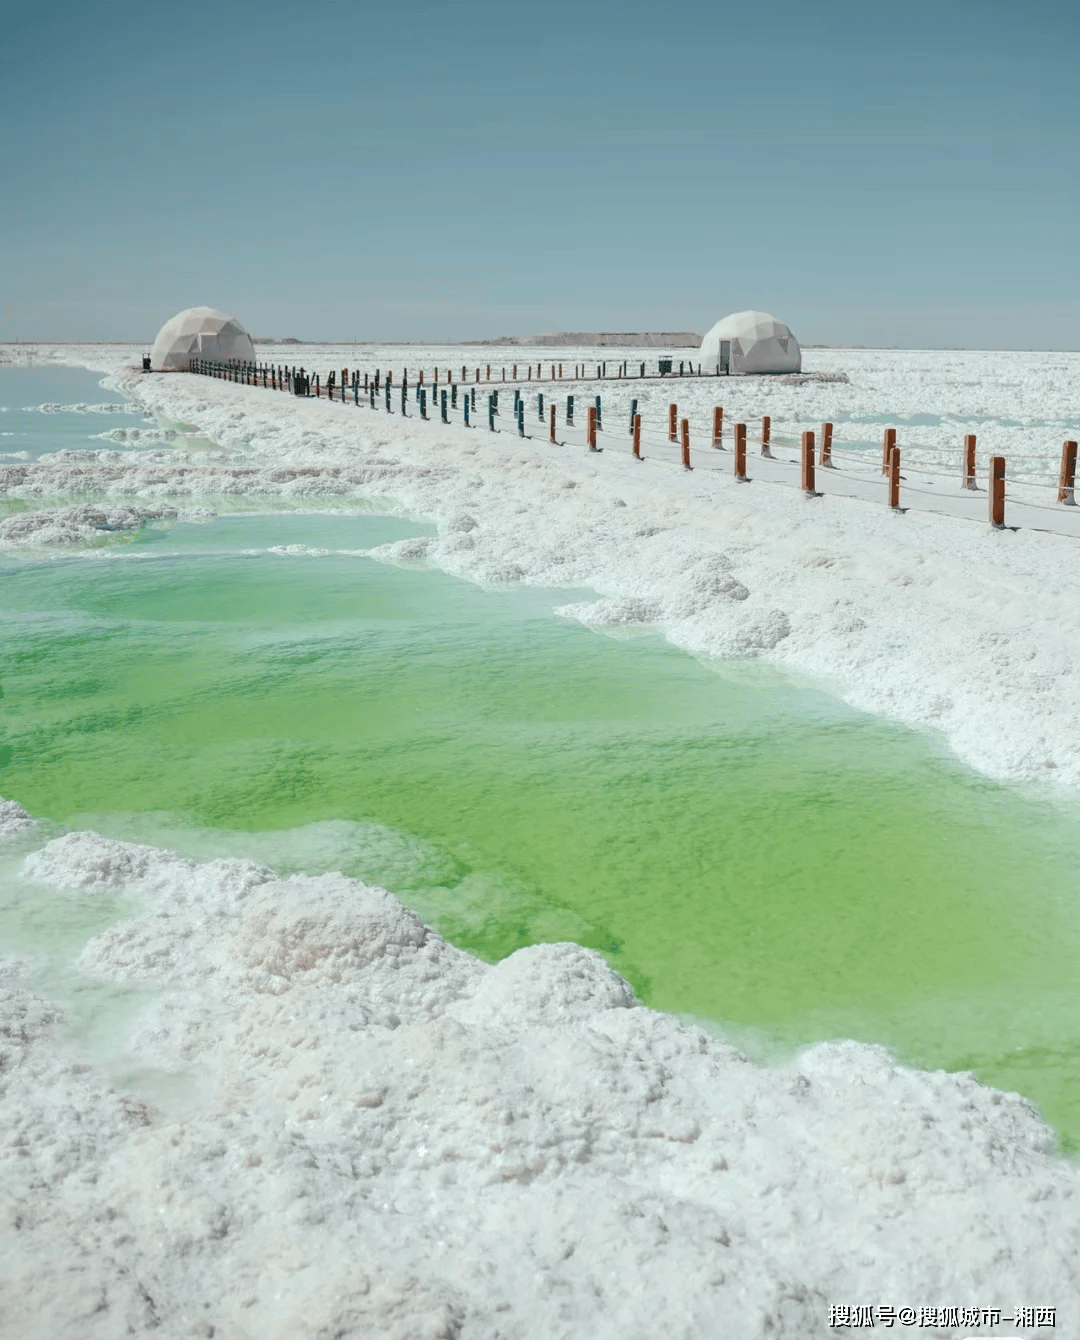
<point x="741" y="849"/>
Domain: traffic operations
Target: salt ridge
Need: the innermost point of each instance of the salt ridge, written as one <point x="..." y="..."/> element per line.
<point x="396" y="1140"/>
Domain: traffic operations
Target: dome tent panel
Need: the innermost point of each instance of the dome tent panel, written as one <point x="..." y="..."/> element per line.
<point x="200" y="332"/>
<point x="759" y="343"/>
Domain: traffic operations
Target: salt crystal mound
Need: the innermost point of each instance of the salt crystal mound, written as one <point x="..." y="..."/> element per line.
<point x="14" y="819"/>
<point x="75" y="525"/>
<point x="398" y="1140"/>
<point x="931" y="620"/>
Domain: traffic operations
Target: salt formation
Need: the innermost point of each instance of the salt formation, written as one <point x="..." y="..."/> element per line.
<point x="759" y="343"/>
<point x="385" y="1137"/>
<point x="200" y="332"/>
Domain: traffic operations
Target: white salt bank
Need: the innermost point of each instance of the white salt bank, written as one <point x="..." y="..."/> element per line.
<point x="384" y="1137"/>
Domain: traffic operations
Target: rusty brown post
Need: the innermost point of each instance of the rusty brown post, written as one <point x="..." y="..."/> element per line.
<point x="552" y="434"/>
<point x="894" y="479"/>
<point x="968" y="481"/>
<point x="887" y="445"/>
<point x="826" y="446"/>
<point x="740" y="451"/>
<point x="808" y="463"/>
<point x="672" y="423"/>
<point x="592" y="428"/>
<point x="766" y="437"/>
<point x="997" y="492"/>
<point x="686" y="445"/>
<point x="1068" y="474"/>
<point x="718" y="427"/>
<point x="637" y="436"/>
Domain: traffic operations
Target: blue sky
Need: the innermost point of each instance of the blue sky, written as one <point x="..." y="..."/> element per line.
<point x="900" y="175"/>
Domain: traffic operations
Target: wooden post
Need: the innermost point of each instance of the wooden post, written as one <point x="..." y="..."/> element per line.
<point x="826" y="446"/>
<point x="808" y="464"/>
<point x="894" y="479"/>
<point x="740" y="451"/>
<point x="592" y="428"/>
<point x="488" y="377"/>
<point x="637" y="437"/>
<point x="1068" y="474"/>
<point x="421" y="382"/>
<point x="553" y="421"/>
<point x="515" y="372"/>
<point x="887" y="445"/>
<point x="997" y="492"/>
<point x="766" y="437"/>
<point x="672" y="423"/>
<point x="718" y="427"/>
<point x="969" y="462"/>
<point x="686" y="445"/>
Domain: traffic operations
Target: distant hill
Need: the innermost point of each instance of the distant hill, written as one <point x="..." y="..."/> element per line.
<point x="601" y="339"/>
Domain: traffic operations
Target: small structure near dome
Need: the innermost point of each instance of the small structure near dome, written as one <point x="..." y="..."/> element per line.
<point x="200" y="332"/>
<point x="757" y="343"/>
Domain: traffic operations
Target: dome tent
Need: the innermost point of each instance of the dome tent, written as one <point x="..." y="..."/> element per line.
<point x="200" y="332"/>
<point x="759" y="343"/>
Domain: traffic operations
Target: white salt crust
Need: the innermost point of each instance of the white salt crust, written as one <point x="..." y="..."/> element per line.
<point x="395" y="1140"/>
<point x="13" y="818"/>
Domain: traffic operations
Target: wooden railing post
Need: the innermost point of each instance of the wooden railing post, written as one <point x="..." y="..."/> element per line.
<point x="826" y="446"/>
<point x="673" y="423"/>
<point x="718" y="427"/>
<point x="637" y="437"/>
<point x="968" y="481"/>
<point x="686" y="445"/>
<point x="1068" y="474"/>
<point x="894" y="479"/>
<point x="808" y="464"/>
<point x="740" y="451"/>
<point x="591" y="430"/>
<point x="887" y="445"/>
<point x="552" y="421"/>
<point x="766" y="437"/>
<point x="997" y="492"/>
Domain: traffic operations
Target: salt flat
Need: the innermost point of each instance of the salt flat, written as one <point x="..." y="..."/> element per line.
<point x="397" y="1140"/>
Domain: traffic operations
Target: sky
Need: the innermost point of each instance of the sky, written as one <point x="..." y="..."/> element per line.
<point x="871" y="174"/>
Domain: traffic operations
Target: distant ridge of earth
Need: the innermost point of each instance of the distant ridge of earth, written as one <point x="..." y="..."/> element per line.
<point x="600" y="339"/>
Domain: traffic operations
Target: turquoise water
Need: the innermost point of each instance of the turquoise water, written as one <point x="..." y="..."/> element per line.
<point x="26" y="433"/>
<point x="743" y="849"/>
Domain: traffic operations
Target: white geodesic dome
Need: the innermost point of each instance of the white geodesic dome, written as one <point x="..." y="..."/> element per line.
<point x="200" y="332"/>
<point x="759" y="343"/>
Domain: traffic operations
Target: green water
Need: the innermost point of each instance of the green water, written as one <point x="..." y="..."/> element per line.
<point x="740" y="848"/>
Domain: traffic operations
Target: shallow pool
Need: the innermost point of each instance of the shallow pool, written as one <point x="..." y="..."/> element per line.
<point x="743" y="849"/>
